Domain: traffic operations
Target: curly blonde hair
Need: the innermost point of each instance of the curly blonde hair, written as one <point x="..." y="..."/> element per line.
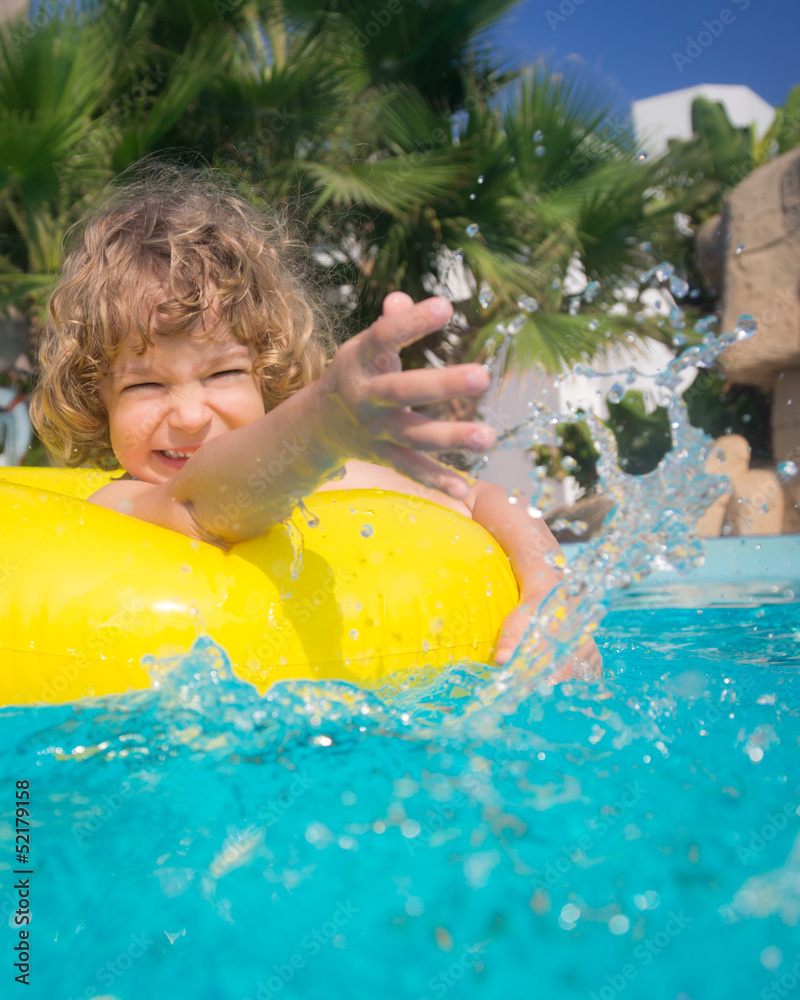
<point x="175" y="239"/>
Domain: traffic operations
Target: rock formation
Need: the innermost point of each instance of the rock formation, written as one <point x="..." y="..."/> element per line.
<point x="751" y="255"/>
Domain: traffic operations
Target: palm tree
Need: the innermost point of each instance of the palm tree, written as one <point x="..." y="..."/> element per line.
<point x="80" y="98"/>
<point x="398" y="143"/>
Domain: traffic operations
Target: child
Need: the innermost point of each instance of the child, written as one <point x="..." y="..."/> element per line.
<point x="183" y="345"/>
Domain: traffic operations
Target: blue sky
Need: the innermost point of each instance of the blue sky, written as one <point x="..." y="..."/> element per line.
<point x="630" y="44"/>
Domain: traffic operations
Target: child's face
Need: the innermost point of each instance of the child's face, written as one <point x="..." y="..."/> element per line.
<point x="183" y="391"/>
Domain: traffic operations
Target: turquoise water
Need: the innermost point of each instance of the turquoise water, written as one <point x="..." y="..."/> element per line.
<point x="634" y="836"/>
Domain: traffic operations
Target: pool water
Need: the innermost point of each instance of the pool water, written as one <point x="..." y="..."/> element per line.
<point x="634" y="836"/>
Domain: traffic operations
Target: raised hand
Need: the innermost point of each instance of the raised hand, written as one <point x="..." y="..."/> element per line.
<point x="368" y="397"/>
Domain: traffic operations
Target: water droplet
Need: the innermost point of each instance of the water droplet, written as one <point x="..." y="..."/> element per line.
<point x="481" y="179"/>
<point x="553" y="557"/>
<point x="771" y="957"/>
<point x="568" y="463"/>
<point x="527" y="303"/>
<point x="705" y="324"/>
<point x="569" y="916"/>
<point x="575" y="305"/>
<point x="679" y="340"/>
<point x="786" y="471"/>
<point x="473" y="229"/>
<point x="646" y="247"/>
<point x="591" y="291"/>
<point x="745" y="327"/>
<point x="740" y="248"/>
<point x="473" y="196"/>
<point x="538" y="135"/>
<point x="353" y="634"/>
<point x="535" y="512"/>
<point x="664" y="271"/>
<point x="678" y="287"/>
<point x="366" y="530"/>
<point x="593" y="324"/>
<point x="619" y="924"/>
<point x="485" y="296"/>
<point x="517" y="324"/>
<point x="616" y="392"/>
<point x="458" y="254"/>
<point x="641" y="156"/>
<point x="681" y="222"/>
<point x="540" y="151"/>
<point x="311" y="519"/>
<point x="555" y="283"/>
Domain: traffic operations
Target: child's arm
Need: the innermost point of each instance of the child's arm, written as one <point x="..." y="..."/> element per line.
<point x="526" y="541"/>
<point x="238" y="485"/>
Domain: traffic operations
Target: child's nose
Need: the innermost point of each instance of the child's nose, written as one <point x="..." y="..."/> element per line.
<point x="189" y="412"/>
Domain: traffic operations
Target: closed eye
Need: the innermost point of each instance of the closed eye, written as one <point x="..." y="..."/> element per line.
<point x="142" y="385"/>
<point x="229" y="372"/>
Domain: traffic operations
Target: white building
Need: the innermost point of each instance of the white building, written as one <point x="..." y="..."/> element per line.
<point x="669" y="116"/>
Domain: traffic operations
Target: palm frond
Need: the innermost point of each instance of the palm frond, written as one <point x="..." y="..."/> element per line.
<point x="395" y="184"/>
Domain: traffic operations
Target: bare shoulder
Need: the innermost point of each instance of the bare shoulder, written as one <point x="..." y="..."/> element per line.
<point x="116" y="490"/>
<point x="366" y="475"/>
<point x="152" y="503"/>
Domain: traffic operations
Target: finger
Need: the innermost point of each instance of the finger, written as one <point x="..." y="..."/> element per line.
<point x="413" y="430"/>
<point x="428" y="385"/>
<point x="511" y="633"/>
<point x="396" y="302"/>
<point x="423" y="469"/>
<point x="395" y="330"/>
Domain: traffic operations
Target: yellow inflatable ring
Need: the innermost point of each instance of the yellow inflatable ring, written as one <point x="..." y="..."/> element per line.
<point x="387" y="583"/>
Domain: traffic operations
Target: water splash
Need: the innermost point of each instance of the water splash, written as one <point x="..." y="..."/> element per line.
<point x="678" y="286"/>
<point x="516" y="324"/>
<point x="651" y="526"/>
<point x="485" y="296"/>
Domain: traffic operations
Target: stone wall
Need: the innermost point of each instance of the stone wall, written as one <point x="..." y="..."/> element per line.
<point x="751" y="255"/>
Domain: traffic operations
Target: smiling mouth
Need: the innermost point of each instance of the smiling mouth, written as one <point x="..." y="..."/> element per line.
<point x="168" y="453"/>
